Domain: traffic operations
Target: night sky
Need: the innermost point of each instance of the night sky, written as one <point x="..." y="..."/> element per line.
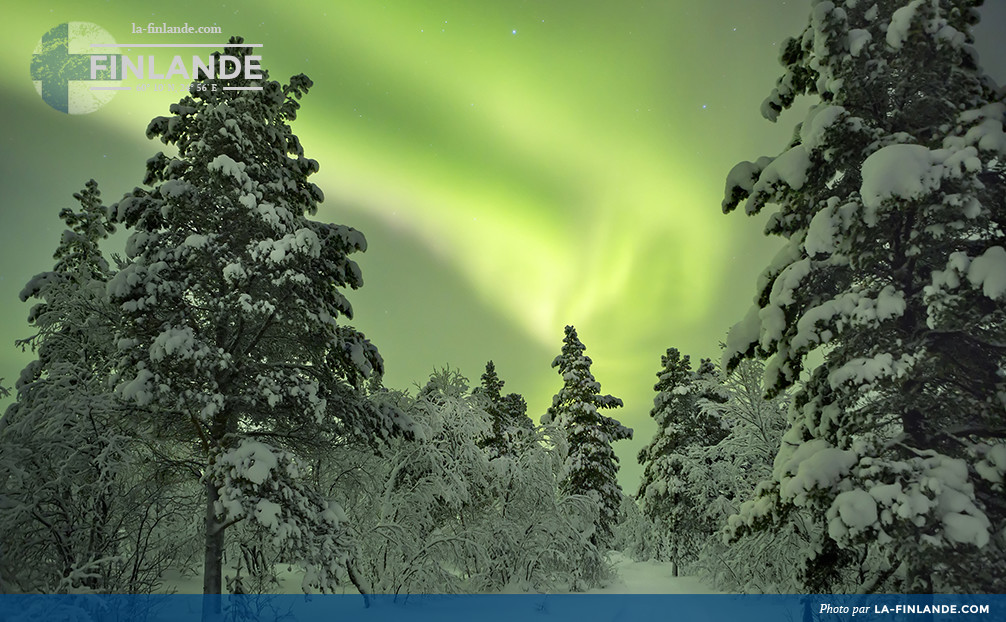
<point x="515" y="166"/>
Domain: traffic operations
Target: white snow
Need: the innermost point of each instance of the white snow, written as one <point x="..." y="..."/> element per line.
<point x="125" y="280"/>
<point x="948" y="33"/>
<point x="632" y="577"/>
<point x="268" y="213"/>
<point x="251" y="460"/>
<point x="849" y="309"/>
<point x="949" y="278"/>
<point x="248" y="200"/>
<point x="790" y="168"/>
<point x="966" y="529"/>
<point x="868" y="369"/>
<point x="234" y="272"/>
<point x="174" y="188"/>
<point x="989" y="272"/>
<point x="649" y="577"/>
<point x="858" y="39"/>
<point x="956" y="162"/>
<point x="818" y="120"/>
<point x="993" y="467"/>
<point x="225" y="165"/>
<point x="743" y="176"/>
<point x="773" y="324"/>
<point x="304" y="241"/>
<point x="855" y="509"/>
<point x="948" y="480"/>
<point x="821" y="233"/>
<point x="196" y="240"/>
<point x="743" y="334"/>
<point x="138" y="388"/>
<point x="910" y="172"/>
<point x="173" y="342"/>
<point x="890" y="303"/>
<point x="886" y="494"/>
<point x="901" y="23"/>
<point x="334" y="514"/>
<point x="787" y="281"/>
<point x="267" y="513"/>
<point x="987" y="134"/>
<point x="972" y="209"/>
<point x="897" y="171"/>
<point x="814" y="464"/>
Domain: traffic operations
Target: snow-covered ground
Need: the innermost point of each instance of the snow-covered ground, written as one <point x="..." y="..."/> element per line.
<point x="650" y="577"/>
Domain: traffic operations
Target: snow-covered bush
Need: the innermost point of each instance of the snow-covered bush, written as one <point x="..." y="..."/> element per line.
<point x="636" y="535"/>
<point x="86" y="504"/>
<point x="443" y="512"/>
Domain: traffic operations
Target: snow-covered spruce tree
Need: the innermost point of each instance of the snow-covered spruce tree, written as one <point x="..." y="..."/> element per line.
<point x="592" y="464"/>
<point x="231" y="302"/>
<point x="671" y="491"/>
<point x="79" y="495"/>
<point x="890" y="198"/>
<point x="508" y="415"/>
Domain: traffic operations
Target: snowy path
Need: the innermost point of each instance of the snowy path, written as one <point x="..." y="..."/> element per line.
<point x="649" y="577"/>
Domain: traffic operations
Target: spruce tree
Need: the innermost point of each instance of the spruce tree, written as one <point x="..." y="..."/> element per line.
<point x="890" y="200"/>
<point x="592" y="464"/>
<point x="508" y="414"/>
<point x="686" y="418"/>
<point x="233" y="301"/>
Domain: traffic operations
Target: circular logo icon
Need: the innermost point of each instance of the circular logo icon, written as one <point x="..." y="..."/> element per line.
<point x="64" y="74"/>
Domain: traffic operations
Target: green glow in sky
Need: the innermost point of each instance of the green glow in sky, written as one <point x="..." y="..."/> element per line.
<point x="516" y="167"/>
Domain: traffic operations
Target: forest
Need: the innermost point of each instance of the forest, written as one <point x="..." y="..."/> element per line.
<point x="199" y="403"/>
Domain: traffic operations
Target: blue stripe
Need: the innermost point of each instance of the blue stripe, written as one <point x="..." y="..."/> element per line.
<point x="500" y="608"/>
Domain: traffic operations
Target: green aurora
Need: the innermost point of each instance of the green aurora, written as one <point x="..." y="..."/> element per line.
<point x="515" y="165"/>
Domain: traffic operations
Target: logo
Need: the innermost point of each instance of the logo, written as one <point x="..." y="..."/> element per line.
<point x="61" y="68"/>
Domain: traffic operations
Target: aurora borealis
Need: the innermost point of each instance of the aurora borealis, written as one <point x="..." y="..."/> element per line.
<point x="515" y="166"/>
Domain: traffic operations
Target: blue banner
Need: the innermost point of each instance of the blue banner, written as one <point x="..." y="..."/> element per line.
<point x="499" y="608"/>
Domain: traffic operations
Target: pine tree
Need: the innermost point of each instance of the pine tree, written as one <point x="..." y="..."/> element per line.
<point x="890" y="198"/>
<point x="232" y="300"/>
<point x="686" y="418"/>
<point x="592" y="464"/>
<point x="508" y="414"/>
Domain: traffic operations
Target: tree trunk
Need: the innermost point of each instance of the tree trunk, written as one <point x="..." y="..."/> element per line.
<point x="213" y="559"/>
<point x="359" y="582"/>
